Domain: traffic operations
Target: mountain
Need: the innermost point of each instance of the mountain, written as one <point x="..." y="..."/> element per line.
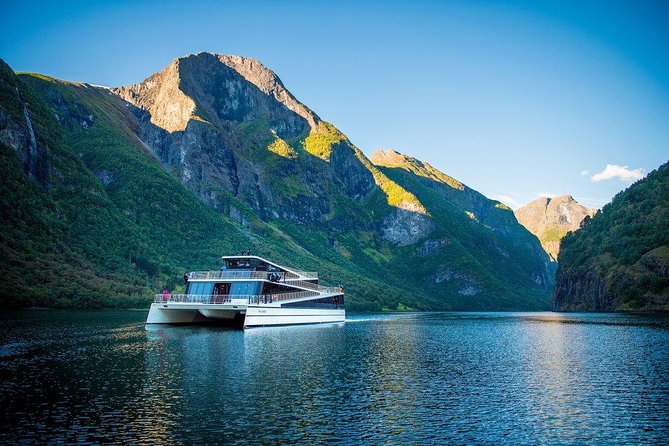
<point x="476" y="244"/>
<point x="619" y="259"/>
<point x="127" y="188"/>
<point x="104" y="223"/>
<point x="551" y="218"/>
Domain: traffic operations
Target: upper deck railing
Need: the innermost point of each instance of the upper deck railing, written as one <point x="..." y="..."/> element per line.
<point x="308" y="274"/>
<point x="315" y="286"/>
<point x="250" y="299"/>
<point x="240" y="274"/>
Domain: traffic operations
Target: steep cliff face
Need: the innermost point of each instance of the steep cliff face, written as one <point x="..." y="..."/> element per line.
<point x="551" y="218"/>
<point x="269" y="83"/>
<point x="619" y="259"/>
<point x="230" y="128"/>
<point x="16" y="127"/>
<point x="169" y="108"/>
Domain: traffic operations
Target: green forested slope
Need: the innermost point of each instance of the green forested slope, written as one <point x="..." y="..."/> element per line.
<point x="62" y="241"/>
<point x="474" y="240"/>
<point x="619" y="259"/>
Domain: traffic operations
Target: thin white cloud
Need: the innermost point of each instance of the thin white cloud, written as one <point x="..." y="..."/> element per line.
<point x="507" y="200"/>
<point x="585" y="173"/>
<point x="546" y="194"/>
<point x="623" y="173"/>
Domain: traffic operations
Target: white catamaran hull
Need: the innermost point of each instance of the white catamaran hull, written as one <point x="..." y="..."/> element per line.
<point x="254" y="316"/>
<point x="261" y="316"/>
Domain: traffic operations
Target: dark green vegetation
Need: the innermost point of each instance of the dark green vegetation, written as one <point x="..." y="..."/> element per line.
<point x="619" y="259"/>
<point x="115" y="216"/>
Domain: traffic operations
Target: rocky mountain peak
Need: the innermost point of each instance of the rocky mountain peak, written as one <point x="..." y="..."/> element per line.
<point x="161" y="95"/>
<point x="390" y="158"/>
<point x="550" y="218"/>
<point x="217" y="88"/>
<point x="557" y="200"/>
<point x="267" y="81"/>
<point x="395" y="160"/>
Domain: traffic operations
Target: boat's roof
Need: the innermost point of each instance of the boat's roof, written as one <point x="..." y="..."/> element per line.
<point x="249" y="257"/>
<point x="238" y="257"/>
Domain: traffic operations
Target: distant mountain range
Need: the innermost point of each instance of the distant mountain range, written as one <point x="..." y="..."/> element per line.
<point x="111" y="194"/>
<point x="551" y="218"/>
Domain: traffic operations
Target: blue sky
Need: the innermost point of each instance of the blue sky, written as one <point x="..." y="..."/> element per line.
<point x="516" y="99"/>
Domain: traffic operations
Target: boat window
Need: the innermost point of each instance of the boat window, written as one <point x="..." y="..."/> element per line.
<point x="245" y="288"/>
<point x="201" y="288"/>
<point x="245" y="264"/>
<point x="239" y="264"/>
<point x="221" y="289"/>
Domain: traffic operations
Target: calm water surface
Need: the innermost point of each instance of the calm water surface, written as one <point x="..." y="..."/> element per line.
<point x="99" y="377"/>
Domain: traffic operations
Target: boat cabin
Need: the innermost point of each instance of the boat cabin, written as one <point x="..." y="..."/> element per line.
<point x="245" y="276"/>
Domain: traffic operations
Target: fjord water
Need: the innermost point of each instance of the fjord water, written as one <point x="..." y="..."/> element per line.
<point x="97" y="377"/>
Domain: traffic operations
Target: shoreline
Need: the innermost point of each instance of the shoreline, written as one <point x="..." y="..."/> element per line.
<point x="656" y="312"/>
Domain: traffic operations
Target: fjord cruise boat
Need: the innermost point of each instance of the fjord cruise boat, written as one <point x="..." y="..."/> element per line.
<point x="250" y="291"/>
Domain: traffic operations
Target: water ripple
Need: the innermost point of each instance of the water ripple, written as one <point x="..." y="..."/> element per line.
<point x="485" y="378"/>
